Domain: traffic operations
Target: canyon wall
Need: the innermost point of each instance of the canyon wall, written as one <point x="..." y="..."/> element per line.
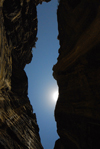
<point x="18" y="30"/>
<point x="77" y="72"/>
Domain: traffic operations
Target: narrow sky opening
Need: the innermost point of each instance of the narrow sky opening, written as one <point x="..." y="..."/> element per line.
<point x="43" y="89"/>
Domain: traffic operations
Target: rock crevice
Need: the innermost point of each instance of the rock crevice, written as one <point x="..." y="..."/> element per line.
<point x="77" y="111"/>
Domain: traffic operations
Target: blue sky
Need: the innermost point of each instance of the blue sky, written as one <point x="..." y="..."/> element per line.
<point x="41" y="84"/>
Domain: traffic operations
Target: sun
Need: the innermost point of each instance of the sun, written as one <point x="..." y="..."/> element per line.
<point x="52" y="96"/>
<point x="55" y="96"/>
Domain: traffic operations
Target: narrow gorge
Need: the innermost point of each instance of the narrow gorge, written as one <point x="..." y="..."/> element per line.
<point x="77" y="72"/>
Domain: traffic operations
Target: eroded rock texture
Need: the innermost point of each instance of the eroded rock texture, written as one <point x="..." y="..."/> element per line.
<point x="77" y="72"/>
<point x="18" y="29"/>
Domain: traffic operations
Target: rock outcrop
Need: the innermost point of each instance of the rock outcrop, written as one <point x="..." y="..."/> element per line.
<point x="77" y="72"/>
<point x="18" y="30"/>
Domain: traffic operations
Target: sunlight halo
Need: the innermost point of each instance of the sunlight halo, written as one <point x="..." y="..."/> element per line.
<point x="55" y="96"/>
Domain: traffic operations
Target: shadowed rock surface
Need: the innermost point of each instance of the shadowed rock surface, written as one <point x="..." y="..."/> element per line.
<point x="77" y="72"/>
<point x="18" y="29"/>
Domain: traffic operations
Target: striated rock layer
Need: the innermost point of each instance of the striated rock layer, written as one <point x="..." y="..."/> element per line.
<point x="77" y="72"/>
<point x="18" y="29"/>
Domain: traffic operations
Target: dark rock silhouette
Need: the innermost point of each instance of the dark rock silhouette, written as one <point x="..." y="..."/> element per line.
<point x="77" y="72"/>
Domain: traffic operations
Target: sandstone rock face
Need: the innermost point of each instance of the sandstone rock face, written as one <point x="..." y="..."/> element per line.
<point x="77" y="72"/>
<point x="18" y="29"/>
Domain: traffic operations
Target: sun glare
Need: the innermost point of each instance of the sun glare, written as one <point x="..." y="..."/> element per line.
<point x="52" y="96"/>
<point x="55" y="96"/>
